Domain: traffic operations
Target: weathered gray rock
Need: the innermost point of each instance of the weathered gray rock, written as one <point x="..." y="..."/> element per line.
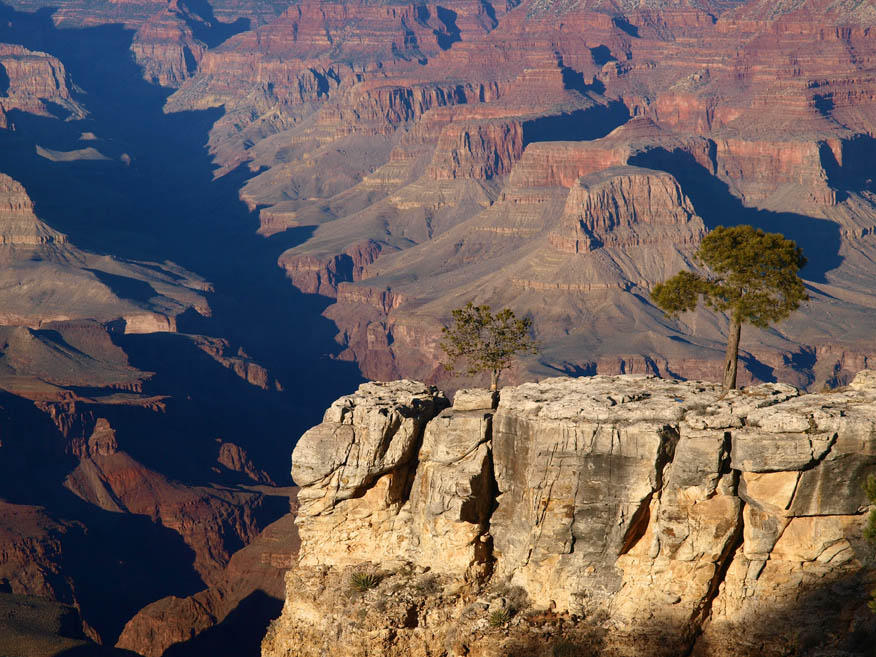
<point x="765" y="452"/>
<point x="452" y="493"/>
<point x="576" y="467"/>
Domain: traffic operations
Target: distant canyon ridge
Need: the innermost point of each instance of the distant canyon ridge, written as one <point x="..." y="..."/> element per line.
<point x="218" y="216"/>
<point x="558" y="158"/>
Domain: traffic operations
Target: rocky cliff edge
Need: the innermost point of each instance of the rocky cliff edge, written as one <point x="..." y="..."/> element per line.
<point x="594" y="516"/>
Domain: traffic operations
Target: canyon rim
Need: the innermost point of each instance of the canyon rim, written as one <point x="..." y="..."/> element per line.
<point x="219" y="217"/>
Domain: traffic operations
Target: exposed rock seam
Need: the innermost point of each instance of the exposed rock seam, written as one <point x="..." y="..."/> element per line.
<point x="701" y="614"/>
<point x="669" y="437"/>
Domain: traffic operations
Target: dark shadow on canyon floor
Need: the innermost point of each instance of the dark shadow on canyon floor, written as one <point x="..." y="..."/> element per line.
<point x="157" y="200"/>
<point x="240" y="633"/>
<point x="166" y="206"/>
<point x="119" y="562"/>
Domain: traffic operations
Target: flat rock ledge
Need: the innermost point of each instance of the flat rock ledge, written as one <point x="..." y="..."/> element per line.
<point x="608" y="515"/>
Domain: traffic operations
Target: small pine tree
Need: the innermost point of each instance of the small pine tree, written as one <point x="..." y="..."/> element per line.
<point x="753" y="278"/>
<point x="487" y="342"/>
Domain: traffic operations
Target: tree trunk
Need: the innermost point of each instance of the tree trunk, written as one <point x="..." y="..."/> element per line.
<point x="494" y="380"/>
<point x="731" y="360"/>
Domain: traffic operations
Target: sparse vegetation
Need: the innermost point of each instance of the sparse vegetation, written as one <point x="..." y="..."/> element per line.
<point x="499" y="617"/>
<point x="486" y="342"/>
<point x="364" y="581"/>
<point x="753" y="279"/>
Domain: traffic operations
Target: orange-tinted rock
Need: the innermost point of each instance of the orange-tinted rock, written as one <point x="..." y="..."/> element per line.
<point x="35" y="82"/>
<point x="608" y="210"/>
<point x="316" y="275"/>
<point x="211" y="521"/>
<point x="235" y="458"/>
<point x="31" y="552"/>
<point x="166" y="50"/>
<point x="480" y="150"/>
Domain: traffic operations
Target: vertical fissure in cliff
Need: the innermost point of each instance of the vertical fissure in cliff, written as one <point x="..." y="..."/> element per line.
<point x="669" y="437"/>
<point x="703" y="611"/>
<point x="479" y="508"/>
<point x="402" y="479"/>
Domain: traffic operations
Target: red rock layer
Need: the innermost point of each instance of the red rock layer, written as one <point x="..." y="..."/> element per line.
<point x="34" y="79"/>
<point x="729" y="88"/>
<point x="255" y="573"/>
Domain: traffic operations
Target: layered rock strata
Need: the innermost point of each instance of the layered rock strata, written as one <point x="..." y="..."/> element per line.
<point x="387" y="135"/>
<point x="45" y="278"/>
<point x="616" y="515"/>
<point x="36" y="83"/>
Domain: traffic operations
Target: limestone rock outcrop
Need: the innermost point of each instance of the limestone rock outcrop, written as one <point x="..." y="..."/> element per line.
<point x="364" y="446"/>
<point x="620" y="515"/>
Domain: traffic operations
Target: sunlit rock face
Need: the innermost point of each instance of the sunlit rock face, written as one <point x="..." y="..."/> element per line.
<point x="556" y="157"/>
<point x="651" y="516"/>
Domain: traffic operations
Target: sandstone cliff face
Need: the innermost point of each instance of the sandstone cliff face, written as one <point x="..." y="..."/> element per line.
<point x="625" y="515"/>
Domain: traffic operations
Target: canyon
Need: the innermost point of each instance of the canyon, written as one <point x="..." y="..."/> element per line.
<point x="217" y="217"/>
<point x="604" y="515"/>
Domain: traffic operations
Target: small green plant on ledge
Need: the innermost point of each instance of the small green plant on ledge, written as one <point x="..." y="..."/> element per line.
<point x="499" y="617"/>
<point x="362" y="582"/>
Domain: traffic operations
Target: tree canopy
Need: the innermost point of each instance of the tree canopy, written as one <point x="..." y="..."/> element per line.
<point x="752" y="276"/>
<point x="486" y="342"/>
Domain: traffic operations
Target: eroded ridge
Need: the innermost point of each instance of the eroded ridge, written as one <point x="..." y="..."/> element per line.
<point x="623" y="513"/>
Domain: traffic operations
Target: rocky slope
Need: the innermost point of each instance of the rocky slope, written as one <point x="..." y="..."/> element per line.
<point x="34" y="82"/>
<point x="228" y="617"/>
<point x="47" y="279"/>
<point x="386" y="138"/>
<point x="606" y="516"/>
